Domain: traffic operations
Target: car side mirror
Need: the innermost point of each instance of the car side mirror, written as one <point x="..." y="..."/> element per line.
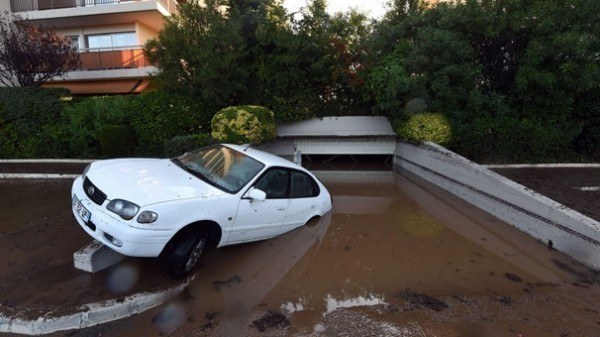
<point x="256" y="195"/>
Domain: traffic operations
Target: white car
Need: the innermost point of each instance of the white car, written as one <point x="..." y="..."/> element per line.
<point x="216" y="196"/>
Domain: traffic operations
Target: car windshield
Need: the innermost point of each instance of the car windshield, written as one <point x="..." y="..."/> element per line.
<point x="221" y="166"/>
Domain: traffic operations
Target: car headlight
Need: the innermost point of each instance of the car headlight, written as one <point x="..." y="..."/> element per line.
<point x="147" y="217"/>
<point x="125" y="209"/>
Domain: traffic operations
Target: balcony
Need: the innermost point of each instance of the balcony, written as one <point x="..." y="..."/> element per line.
<point x="40" y="5"/>
<point x="107" y="71"/>
<point x="110" y="59"/>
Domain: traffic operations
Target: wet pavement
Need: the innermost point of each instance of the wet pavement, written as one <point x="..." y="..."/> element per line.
<point x="395" y="257"/>
<point x="577" y="188"/>
<point x="57" y="167"/>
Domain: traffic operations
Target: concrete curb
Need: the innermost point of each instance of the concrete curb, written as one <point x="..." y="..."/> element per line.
<point x="91" y="314"/>
<point x="45" y="161"/>
<point x="38" y="176"/>
<point x="545" y="219"/>
<point x="41" y="175"/>
<point x="565" y="165"/>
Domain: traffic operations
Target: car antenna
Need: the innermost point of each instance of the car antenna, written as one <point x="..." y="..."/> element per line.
<point x="246" y="147"/>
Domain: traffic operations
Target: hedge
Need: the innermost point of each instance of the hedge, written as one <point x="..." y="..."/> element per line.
<point x="150" y="119"/>
<point x="36" y="123"/>
<point x="31" y="122"/>
<point x="182" y="144"/>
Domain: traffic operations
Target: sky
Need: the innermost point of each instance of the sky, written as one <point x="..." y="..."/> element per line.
<point x="374" y="8"/>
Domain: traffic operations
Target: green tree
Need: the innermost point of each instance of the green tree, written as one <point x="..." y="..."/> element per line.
<point x="200" y="52"/>
<point x="254" y="52"/>
<point x="294" y="63"/>
<point x="509" y="74"/>
<point x="311" y="64"/>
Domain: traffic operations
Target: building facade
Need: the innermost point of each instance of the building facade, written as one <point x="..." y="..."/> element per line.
<point x="109" y="35"/>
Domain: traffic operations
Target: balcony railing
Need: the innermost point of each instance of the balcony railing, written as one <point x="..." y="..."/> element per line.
<point x="101" y="59"/>
<point x="36" y="5"/>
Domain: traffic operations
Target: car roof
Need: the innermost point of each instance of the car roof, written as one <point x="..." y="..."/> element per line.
<point x="264" y="157"/>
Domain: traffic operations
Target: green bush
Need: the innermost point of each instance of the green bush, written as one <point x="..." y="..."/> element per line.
<point x="90" y="115"/>
<point x="116" y="141"/>
<point x="510" y="139"/>
<point x="32" y="122"/>
<point x="9" y="145"/>
<point x="159" y="116"/>
<point x="588" y="141"/>
<point x="425" y="127"/>
<point x="151" y="118"/>
<point x="244" y="124"/>
<point x="182" y="144"/>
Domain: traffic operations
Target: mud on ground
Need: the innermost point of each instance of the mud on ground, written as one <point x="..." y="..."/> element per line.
<point x="393" y="258"/>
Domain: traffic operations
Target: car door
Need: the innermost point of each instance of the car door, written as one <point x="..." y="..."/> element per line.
<point x="256" y="220"/>
<point x="303" y="202"/>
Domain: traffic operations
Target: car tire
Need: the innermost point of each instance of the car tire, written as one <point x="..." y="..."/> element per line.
<point x="185" y="255"/>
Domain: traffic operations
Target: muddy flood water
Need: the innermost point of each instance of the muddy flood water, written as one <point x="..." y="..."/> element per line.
<point x="395" y="257"/>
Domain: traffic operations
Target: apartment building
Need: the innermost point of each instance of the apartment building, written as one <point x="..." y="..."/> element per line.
<point x="109" y="35"/>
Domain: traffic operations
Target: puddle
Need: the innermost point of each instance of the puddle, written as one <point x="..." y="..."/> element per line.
<point x="395" y="257"/>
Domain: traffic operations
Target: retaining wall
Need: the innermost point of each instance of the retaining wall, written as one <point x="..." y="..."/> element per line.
<point x="546" y="220"/>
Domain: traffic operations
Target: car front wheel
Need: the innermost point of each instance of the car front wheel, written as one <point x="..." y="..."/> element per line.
<point x="185" y="255"/>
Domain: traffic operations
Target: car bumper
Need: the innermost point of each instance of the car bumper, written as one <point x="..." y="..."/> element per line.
<point x="115" y="232"/>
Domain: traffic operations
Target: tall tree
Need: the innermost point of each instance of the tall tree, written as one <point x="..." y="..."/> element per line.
<point x="200" y="52"/>
<point x="30" y="56"/>
<point x="253" y="52"/>
<point x="510" y="74"/>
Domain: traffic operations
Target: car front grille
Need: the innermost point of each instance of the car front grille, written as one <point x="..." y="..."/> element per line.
<point x="91" y="225"/>
<point x="93" y="192"/>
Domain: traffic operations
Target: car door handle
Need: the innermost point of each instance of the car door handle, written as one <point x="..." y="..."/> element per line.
<point x="281" y="209"/>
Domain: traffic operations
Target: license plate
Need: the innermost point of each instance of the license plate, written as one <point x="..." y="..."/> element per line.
<point x="83" y="213"/>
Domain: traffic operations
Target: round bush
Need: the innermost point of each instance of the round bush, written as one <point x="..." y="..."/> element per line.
<point x="425" y="127"/>
<point x="244" y="124"/>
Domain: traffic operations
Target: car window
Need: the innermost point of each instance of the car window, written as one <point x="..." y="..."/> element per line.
<point x="274" y="183"/>
<point x="303" y="186"/>
<point x="221" y="166"/>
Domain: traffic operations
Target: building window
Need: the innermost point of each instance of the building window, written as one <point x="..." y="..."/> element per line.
<point x="74" y="41"/>
<point x="111" y="40"/>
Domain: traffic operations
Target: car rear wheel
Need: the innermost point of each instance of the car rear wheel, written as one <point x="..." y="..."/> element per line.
<point x="185" y="255"/>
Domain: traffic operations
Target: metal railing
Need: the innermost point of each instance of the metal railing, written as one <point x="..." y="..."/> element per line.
<point x="38" y="5"/>
<point x="102" y="59"/>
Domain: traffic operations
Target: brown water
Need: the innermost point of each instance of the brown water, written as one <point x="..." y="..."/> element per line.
<point x="393" y="258"/>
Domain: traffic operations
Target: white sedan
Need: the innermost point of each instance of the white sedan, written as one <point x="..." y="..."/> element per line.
<point x="216" y="196"/>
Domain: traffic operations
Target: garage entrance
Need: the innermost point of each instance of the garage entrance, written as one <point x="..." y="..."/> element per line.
<point x="331" y="137"/>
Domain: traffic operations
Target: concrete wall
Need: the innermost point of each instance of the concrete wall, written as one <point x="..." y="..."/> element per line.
<point x="144" y="33"/>
<point x="5" y="6"/>
<point x="570" y="232"/>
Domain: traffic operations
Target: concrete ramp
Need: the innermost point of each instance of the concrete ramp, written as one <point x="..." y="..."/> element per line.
<point x="563" y="228"/>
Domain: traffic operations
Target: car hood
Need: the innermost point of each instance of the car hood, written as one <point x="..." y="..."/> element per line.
<point x="147" y="181"/>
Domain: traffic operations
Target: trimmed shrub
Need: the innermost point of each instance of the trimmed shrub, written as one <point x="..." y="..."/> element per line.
<point x="509" y="139"/>
<point x="425" y="127"/>
<point x="588" y="141"/>
<point x="158" y="116"/>
<point x="32" y="122"/>
<point x="182" y="144"/>
<point x="151" y="119"/>
<point x="116" y="141"/>
<point x="89" y="116"/>
<point x="244" y="124"/>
